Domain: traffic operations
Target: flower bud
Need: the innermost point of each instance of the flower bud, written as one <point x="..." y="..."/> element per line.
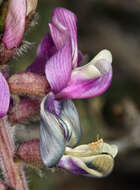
<point x="26" y="109"/>
<point x="28" y="84"/>
<point x="29" y="152"/>
<point x="14" y="25"/>
<point x="15" y="17"/>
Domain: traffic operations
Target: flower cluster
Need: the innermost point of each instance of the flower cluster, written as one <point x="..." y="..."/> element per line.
<point x="58" y="75"/>
<point x="60" y="60"/>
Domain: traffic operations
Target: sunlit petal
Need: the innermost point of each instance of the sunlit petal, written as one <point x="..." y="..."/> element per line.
<point x="58" y="68"/>
<point x="94" y="148"/>
<point x="90" y="80"/>
<point x="64" y="23"/>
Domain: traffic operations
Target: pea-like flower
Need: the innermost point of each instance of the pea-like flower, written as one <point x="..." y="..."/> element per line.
<point x="94" y="159"/>
<point x="58" y="57"/>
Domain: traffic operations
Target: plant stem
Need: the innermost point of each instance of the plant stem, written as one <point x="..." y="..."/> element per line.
<point x="12" y="172"/>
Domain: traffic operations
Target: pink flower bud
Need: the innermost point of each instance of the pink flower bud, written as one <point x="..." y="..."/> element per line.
<point x="26" y="109"/>
<point x="28" y="84"/>
<point x="14" y="23"/>
<point x="29" y="152"/>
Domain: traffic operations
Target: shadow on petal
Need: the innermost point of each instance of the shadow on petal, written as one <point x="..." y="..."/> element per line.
<point x="57" y="130"/>
<point x="70" y="116"/>
<point x="45" y="50"/>
<point x="52" y="141"/>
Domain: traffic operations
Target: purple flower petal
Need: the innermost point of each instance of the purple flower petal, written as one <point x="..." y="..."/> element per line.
<point x="38" y="66"/>
<point x="72" y="164"/>
<point x="64" y="23"/>
<point x="46" y="47"/>
<point x="45" y="50"/>
<point x="4" y="96"/>
<point x="52" y="105"/>
<point x="58" y="68"/>
<point x="80" y="58"/>
<point x="90" y="80"/>
<point x="14" y="23"/>
<point x="93" y="166"/>
<point x="59" y="34"/>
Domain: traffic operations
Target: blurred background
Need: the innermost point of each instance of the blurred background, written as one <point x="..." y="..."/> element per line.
<point x="114" y="116"/>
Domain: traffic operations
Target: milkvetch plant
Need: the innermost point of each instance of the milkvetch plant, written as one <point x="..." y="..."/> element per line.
<point x="59" y="59"/>
<point x="57" y="76"/>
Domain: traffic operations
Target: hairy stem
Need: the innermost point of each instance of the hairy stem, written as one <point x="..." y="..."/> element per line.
<point x="12" y="172"/>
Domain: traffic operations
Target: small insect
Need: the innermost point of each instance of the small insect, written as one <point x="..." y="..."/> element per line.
<point x="96" y="147"/>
